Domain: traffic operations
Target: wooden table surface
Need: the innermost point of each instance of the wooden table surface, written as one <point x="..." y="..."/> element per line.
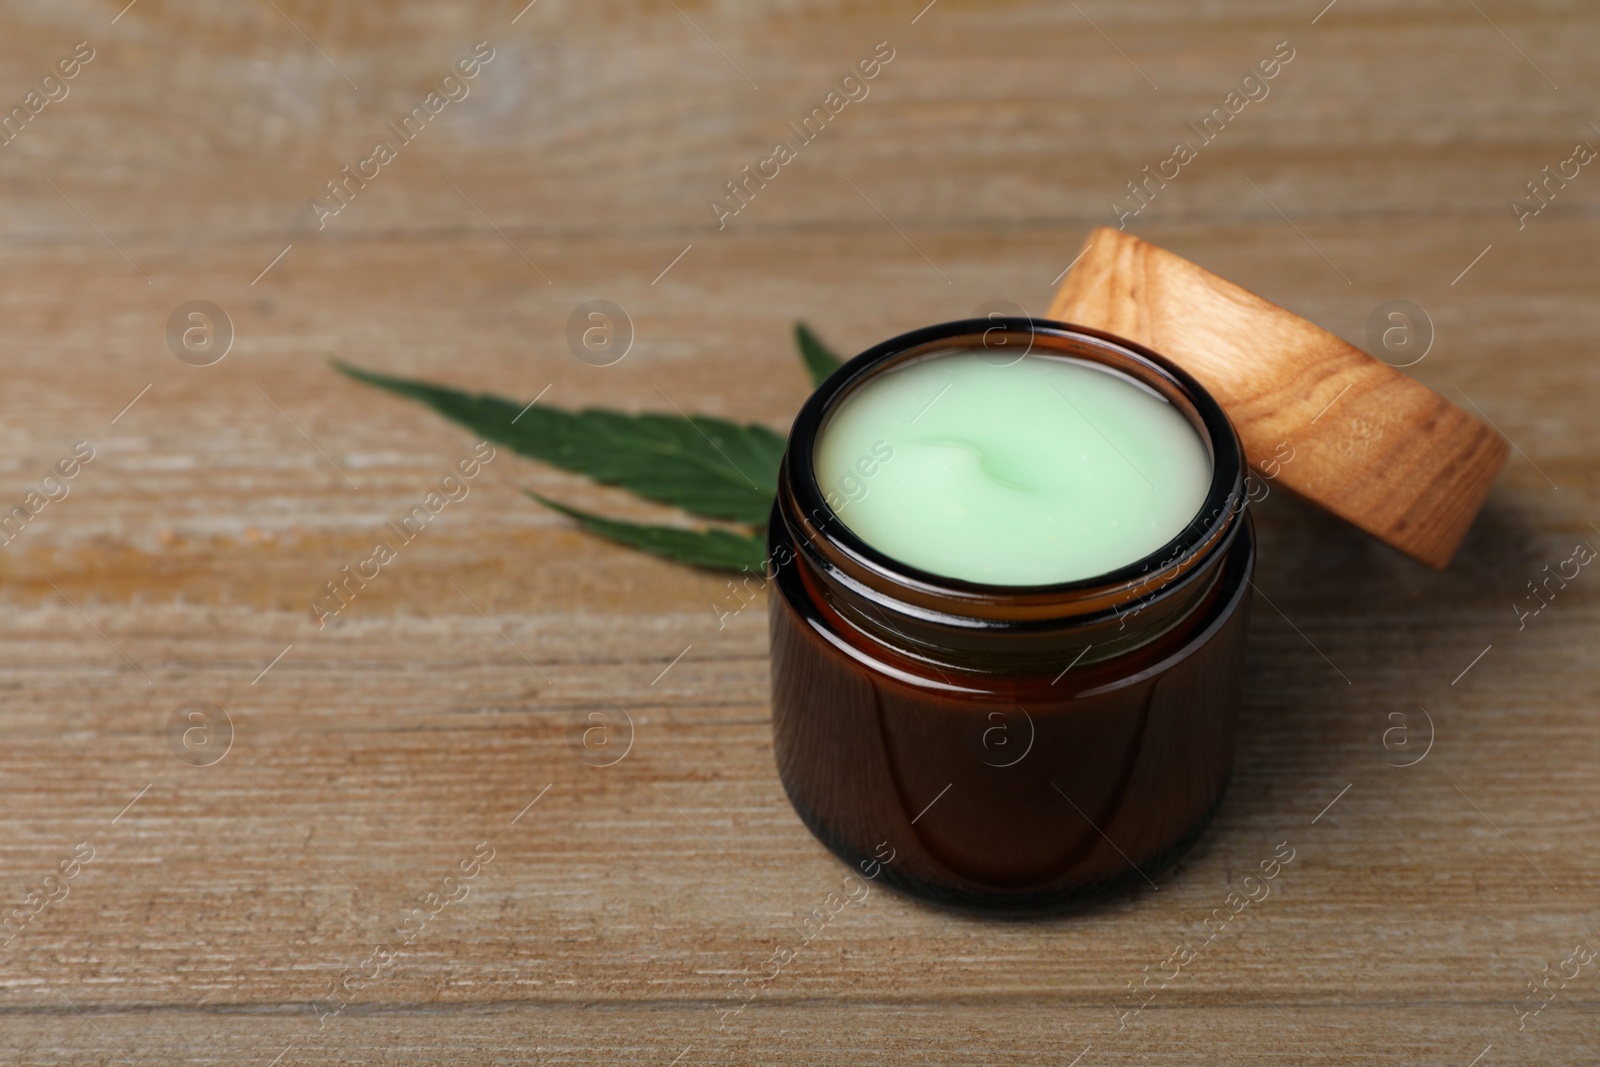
<point x="214" y="903"/>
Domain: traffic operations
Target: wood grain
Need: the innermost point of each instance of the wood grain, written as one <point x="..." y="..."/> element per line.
<point x="1394" y="458"/>
<point x="374" y="756"/>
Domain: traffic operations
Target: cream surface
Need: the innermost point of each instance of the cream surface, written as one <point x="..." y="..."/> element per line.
<point x="1045" y="470"/>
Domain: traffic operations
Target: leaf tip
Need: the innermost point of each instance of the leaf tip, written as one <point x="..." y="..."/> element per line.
<point x="819" y="359"/>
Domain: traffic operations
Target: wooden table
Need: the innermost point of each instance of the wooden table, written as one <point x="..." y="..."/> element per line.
<point x="371" y="757"/>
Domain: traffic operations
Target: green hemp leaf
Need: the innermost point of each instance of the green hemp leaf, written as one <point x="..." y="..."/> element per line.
<point x="819" y="359"/>
<point x="710" y="468"/>
<point x="717" y="549"/>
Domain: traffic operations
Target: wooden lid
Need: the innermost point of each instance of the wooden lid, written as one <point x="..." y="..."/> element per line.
<point x="1316" y="415"/>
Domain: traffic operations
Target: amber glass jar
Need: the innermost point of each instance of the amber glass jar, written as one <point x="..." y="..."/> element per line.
<point x="1024" y="748"/>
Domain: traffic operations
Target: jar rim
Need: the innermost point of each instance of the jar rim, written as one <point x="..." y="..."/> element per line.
<point x="1210" y="525"/>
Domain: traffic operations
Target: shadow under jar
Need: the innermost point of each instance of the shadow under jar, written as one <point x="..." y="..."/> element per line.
<point x="1007" y="747"/>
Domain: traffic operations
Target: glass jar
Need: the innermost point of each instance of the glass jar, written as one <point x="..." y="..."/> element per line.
<point x="1024" y="748"/>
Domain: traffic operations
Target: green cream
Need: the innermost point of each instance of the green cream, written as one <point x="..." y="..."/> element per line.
<point x="1045" y="470"/>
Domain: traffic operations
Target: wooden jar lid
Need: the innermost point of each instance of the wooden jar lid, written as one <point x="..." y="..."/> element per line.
<point x="1369" y="444"/>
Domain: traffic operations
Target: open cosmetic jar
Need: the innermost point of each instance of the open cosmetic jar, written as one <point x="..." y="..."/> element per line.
<point x="1010" y="560"/>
